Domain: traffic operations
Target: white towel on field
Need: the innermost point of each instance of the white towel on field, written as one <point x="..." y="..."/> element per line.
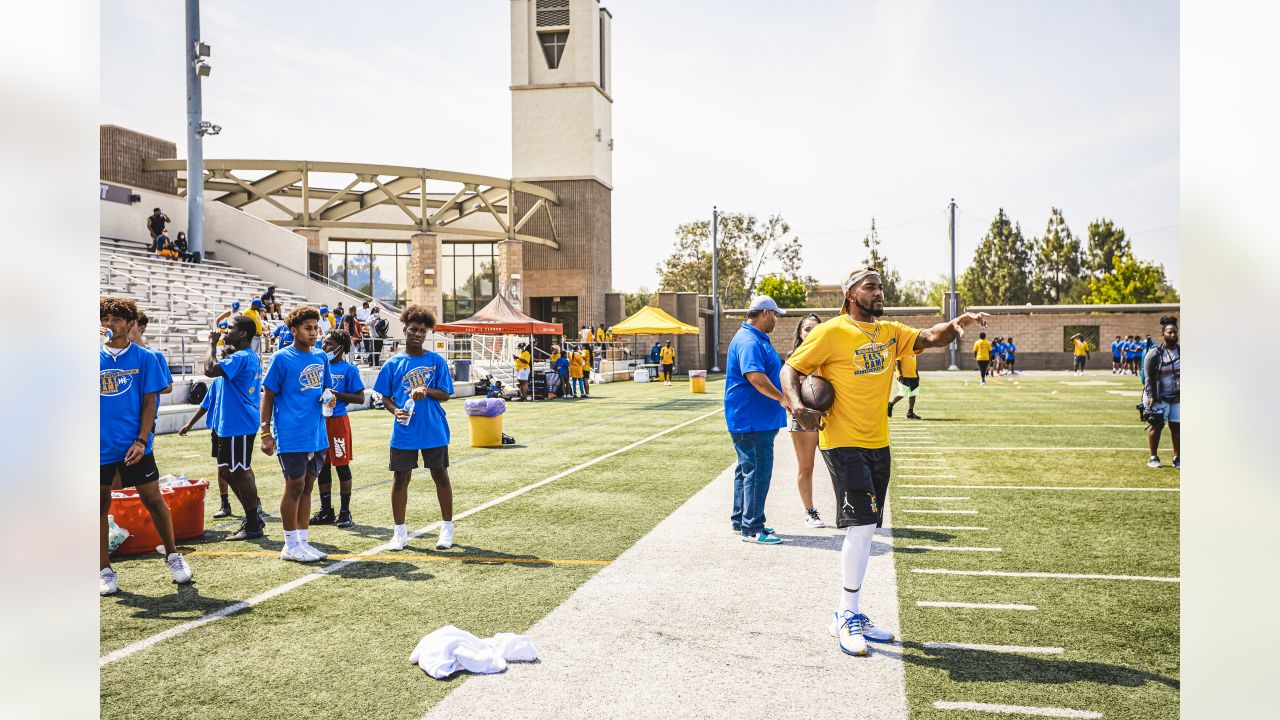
<point x="449" y="649"/>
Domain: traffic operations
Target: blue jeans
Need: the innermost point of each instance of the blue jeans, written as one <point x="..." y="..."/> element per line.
<point x="751" y="479"/>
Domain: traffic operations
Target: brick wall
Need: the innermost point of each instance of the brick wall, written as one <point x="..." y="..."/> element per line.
<point x="122" y="152"/>
<point x="583" y="266"/>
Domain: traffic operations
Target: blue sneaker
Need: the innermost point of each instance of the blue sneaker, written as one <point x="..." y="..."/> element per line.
<point x="869" y="629"/>
<point x="763" y="538"/>
<point x="849" y="634"/>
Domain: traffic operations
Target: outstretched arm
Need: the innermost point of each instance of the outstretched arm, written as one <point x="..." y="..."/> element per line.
<point x="943" y="333"/>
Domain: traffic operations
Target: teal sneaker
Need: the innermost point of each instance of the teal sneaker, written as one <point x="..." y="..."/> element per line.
<point x="763" y="538"/>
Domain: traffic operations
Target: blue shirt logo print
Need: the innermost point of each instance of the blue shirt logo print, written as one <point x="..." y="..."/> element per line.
<point x="871" y="358"/>
<point x="311" y="377"/>
<point x="115" y="382"/>
<point x="418" y="377"/>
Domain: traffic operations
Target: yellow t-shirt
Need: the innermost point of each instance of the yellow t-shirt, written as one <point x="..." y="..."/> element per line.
<point x="668" y="356"/>
<point x="982" y="349"/>
<point x="522" y="360"/>
<point x="257" y="321"/>
<point x="599" y="335"/>
<point x="552" y="358"/>
<point x="575" y="365"/>
<point x="907" y="366"/>
<point x="858" y="360"/>
<point x="1081" y="347"/>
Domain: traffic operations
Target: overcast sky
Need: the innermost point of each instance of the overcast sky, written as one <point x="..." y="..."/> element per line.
<point x="826" y="112"/>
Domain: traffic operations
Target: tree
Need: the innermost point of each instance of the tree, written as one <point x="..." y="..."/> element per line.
<point x="637" y="300"/>
<point x="1130" y="281"/>
<point x="1058" y="260"/>
<point x="1106" y="242"/>
<point x="1001" y="266"/>
<point x="788" y="293"/>
<point x="746" y="246"/>
<point x="891" y="278"/>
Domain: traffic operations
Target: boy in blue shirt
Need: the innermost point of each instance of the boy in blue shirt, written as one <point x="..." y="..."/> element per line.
<point x="129" y="380"/>
<point x="422" y="376"/>
<point x="283" y="337"/>
<point x="209" y="406"/>
<point x="136" y="337"/>
<point x="1010" y="355"/>
<point x="562" y="369"/>
<point x="347" y="388"/>
<point x="291" y="397"/>
<point x="236" y="418"/>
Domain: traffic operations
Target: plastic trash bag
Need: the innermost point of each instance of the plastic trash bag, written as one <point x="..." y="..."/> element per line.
<point x="484" y="407"/>
<point x="116" y="535"/>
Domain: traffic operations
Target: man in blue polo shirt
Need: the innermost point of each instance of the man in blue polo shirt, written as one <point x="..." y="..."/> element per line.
<point x="755" y="409"/>
<point x="129" y="380"/>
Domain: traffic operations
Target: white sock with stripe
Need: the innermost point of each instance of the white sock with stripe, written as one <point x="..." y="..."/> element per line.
<point x="291" y="538"/>
<point x="855" y="554"/>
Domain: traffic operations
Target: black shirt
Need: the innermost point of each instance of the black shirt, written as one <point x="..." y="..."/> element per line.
<point x="156" y="222"/>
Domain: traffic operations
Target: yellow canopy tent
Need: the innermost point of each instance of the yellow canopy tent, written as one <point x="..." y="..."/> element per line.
<point x="653" y="321"/>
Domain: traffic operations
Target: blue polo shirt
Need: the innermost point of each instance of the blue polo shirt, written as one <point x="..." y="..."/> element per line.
<point x="123" y="382"/>
<point x="745" y="408"/>
<point x="297" y="378"/>
<point x="428" y="427"/>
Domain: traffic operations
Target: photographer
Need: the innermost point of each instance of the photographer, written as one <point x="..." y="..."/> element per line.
<point x="1163" y="372"/>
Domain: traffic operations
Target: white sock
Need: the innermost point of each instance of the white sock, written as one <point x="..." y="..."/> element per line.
<point x="291" y="538"/>
<point x="855" y="554"/>
<point x="302" y="534"/>
<point x="446" y="525"/>
<point x="400" y="530"/>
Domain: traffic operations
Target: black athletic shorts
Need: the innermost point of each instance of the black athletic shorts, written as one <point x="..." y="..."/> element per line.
<point x="909" y="383"/>
<point x="236" y="452"/>
<point x="139" y="473"/>
<point x="1079" y="365"/>
<point x="860" y="478"/>
<point x="436" y="458"/>
<point x="300" y="464"/>
<point x="668" y="369"/>
<point x="982" y="365"/>
<point x="214" y="441"/>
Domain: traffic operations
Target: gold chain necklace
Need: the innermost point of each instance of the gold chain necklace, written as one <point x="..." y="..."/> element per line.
<point x="870" y="336"/>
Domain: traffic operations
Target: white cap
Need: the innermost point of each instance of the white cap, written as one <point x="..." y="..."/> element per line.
<point x="764" y="302"/>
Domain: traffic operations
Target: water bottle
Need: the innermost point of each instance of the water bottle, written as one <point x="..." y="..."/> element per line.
<point x="182" y="480"/>
<point x="325" y="407"/>
<point x="407" y="407"/>
<point x="103" y="339"/>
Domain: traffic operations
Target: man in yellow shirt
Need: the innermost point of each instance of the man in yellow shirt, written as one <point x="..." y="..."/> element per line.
<point x="255" y="313"/>
<point x="667" y="357"/>
<point x="908" y="386"/>
<point x="856" y="354"/>
<point x="576" y="365"/>
<point x="982" y="353"/>
<point x="1080" y="351"/>
<point x="524" y="362"/>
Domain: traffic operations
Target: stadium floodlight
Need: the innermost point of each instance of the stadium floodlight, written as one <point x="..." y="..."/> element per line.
<point x="202" y="68"/>
<point x="203" y="50"/>
<point x="208" y="128"/>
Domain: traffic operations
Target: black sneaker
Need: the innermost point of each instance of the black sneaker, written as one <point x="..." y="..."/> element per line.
<point x="247" y="533"/>
<point x="891" y="410"/>
<point x="323" y="517"/>
<point x="224" y="511"/>
<point x="913" y="416"/>
<point x="344" y="520"/>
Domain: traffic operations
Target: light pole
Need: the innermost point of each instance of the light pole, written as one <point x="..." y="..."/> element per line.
<point x="196" y="54"/>
<point x="715" y="291"/>
<point x="951" y="231"/>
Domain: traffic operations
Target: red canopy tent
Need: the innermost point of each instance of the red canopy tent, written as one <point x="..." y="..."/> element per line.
<point x="500" y="317"/>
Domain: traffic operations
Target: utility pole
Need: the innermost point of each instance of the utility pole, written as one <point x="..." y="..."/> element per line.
<point x="951" y="231"/>
<point x="195" y="130"/>
<point x="715" y="290"/>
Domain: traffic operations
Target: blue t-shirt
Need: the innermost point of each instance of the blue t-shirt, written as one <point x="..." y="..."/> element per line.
<point x="745" y="408"/>
<point x="298" y="379"/>
<point x="1115" y="348"/>
<point x="562" y="365"/>
<point x="428" y="428"/>
<point x="210" y="404"/>
<point x="123" y="382"/>
<point x="284" y="338"/>
<point x="240" y="402"/>
<point x="346" y="379"/>
<point x="1009" y="350"/>
<point x="164" y="365"/>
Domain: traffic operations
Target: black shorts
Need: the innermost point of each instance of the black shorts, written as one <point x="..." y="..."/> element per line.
<point x="1079" y="364"/>
<point x="214" y="441"/>
<point x="300" y="464"/>
<point x="436" y="458"/>
<point x="668" y="369"/>
<point x="860" y="478"/>
<point x="910" y="383"/>
<point x="139" y="473"/>
<point x="236" y="452"/>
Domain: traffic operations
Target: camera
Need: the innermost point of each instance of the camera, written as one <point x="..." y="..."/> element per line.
<point x="1150" y="417"/>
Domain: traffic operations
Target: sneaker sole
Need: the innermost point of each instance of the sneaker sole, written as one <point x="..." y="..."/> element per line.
<point x="344" y="525"/>
<point x="864" y="653"/>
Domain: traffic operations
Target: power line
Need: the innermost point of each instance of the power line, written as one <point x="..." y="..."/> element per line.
<point x="878" y="227"/>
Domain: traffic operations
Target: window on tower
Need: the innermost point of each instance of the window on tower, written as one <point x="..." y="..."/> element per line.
<point x="553" y="46"/>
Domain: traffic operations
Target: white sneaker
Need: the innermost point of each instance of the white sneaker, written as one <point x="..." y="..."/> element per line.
<point x="869" y="629"/>
<point x="446" y="538"/>
<point x="107" y="582"/>
<point x="311" y="550"/>
<point x="177" y="566"/>
<point x="847" y="629"/>
<point x="398" y="540"/>
<point x="1154" y="462"/>
<point x="296" y="554"/>
<point x="812" y="520"/>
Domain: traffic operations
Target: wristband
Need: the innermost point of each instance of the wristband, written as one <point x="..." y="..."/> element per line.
<point x="140" y="441"/>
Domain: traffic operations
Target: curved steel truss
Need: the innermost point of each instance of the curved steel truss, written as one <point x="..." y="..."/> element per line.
<point x="289" y="186"/>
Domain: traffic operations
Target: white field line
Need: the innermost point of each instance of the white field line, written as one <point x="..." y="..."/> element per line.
<point x="916" y="454"/>
<point x="939" y="527"/>
<point x="975" y="448"/>
<point x="147" y="642"/>
<point x="952" y="548"/>
<point x="925" y="467"/>
<point x="995" y="648"/>
<point x="921" y="477"/>
<point x="930" y="497"/>
<point x="975" y="606"/>
<point x="1056" y="576"/>
<point x="1017" y="710"/>
<point x="1041" y="487"/>
<point x="942" y="512"/>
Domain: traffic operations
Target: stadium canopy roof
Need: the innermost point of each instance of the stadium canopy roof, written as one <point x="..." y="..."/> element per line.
<point x="500" y="317"/>
<point x="653" y="321"/>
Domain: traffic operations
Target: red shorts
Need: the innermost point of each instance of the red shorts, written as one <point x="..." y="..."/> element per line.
<point x="339" y="429"/>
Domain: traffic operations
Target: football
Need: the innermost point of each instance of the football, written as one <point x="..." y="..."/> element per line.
<point x="816" y="393"/>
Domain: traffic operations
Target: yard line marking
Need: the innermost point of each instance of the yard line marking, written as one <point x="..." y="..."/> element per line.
<point x="943" y="512"/>
<point x="1058" y="576"/>
<point x="930" y="497"/>
<point x="937" y="527"/>
<point x="1043" y="487"/>
<point x="953" y="548"/>
<point x="928" y="476"/>
<point x="995" y="648"/>
<point x="176" y="630"/>
<point x="402" y="556"/>
<point x="1040" y="449"/>
<point x="917" y="454"/>
<point x="975" y="606"/>
<point x="1017" y="709"/>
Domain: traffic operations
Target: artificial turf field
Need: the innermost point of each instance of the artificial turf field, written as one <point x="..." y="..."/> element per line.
<point x="338" y="646"/>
